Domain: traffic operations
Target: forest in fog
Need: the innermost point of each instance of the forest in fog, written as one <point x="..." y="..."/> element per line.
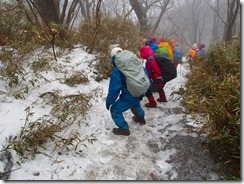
<point x="187" y="21"/>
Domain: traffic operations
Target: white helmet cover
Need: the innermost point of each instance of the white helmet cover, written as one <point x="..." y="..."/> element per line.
<point x="115" y="50"/>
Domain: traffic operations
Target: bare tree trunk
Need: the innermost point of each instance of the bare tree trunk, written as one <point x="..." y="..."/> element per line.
<point x="63" y="11"/>
<point x="89" y="49"/>
<point x="232" y="11"/>
<point x="215" y="32"/>
<point x="163" y="10"/>
<point x="194" y="21"/>
<point x="85" y="6"/>
<point x="71" y="12"/>
<point x="141" y="14"/>
<point x="49" y="10"/>
<point x="182" y="36"/>
<point x="72" y="24"/>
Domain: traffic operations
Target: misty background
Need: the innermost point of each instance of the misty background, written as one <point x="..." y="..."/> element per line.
<point x="187" y="21"/>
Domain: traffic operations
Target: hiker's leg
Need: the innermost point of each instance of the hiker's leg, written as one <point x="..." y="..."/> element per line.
<point x="152" y="102"/>
<point x="117" y="110"/>
<point x="190" y="63"/>
<point x="176" y="63"/>
<point x="139" y="114"/>
<point x="149" y="95"/>
<point x="162" y="95"/>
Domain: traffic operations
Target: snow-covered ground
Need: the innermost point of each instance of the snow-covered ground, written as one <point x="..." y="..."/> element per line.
<point x="144" y="155"/>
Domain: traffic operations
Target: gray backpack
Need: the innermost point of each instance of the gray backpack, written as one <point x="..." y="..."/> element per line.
<point x="131" y="66"/>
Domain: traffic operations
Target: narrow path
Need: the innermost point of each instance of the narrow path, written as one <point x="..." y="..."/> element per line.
<point x="168" y="147"/>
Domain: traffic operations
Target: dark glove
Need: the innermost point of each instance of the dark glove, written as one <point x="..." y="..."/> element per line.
<point x="107" y="106"/>
<point x="158" y="80"/>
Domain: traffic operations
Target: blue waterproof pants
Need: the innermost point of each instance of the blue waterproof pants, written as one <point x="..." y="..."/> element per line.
<point x="122" y="105"/>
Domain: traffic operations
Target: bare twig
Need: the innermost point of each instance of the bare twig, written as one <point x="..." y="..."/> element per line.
<point x="53" y="33"/>
<point x="98" y="23"/>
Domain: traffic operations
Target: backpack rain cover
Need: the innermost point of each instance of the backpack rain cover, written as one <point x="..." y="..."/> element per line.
<point x="131" y="66"/>
<point x="178" y="54"/>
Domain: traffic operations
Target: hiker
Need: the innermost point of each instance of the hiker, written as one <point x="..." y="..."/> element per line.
<point x="164" y="48"/>
<point x="200" y="53"/>
<point x="155" y="75"/>
<point x="152" y="43"/>
<point x="177" y="52"/>
<point x="119" y="99"/>
<point x="172" y="44"/>
<point x="191" y="55"/>
<point x="201" y="50"/>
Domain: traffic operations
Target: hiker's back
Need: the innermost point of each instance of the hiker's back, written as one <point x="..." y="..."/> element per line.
<point x="178" y="54"/>
<point x="165" y="49"/>
<point x="167" y="68"/>
<point x="200" y="56"/>
<point x="162" y="50"/>
<point x="192" y="53"/>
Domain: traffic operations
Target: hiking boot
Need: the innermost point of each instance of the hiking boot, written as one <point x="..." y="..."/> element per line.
<point x="161" y="100"/>
<point x="139" y="120"/>
<point x="119" y="131"/>
<point x="150" y="105"/>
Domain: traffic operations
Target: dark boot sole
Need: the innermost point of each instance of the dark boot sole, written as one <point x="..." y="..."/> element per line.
<point x="118" y="131"/>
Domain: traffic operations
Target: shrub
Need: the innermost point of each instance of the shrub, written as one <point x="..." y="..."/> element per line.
<point x="113" y="31"/>
<point x="19" y="39"/>
<point x="215" y="85"/>
<point x="35" y="135"/>
<point x="79" y="77"/>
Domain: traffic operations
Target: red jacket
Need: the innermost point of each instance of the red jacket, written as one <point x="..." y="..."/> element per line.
<point x="151" y="64"/>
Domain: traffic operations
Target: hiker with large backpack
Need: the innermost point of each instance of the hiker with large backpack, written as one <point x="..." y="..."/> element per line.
<point x="177" y="52"/>
<point x="128" y="84"/>
<point x="155" y="75"/>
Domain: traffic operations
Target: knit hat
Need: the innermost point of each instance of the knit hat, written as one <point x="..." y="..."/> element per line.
<point x="115" y="50"/>
<point x="146" y="52"/>
<point x="194" y="46"/>
<point x="153" y="40"/>
<point x="173" y="42"/>
<point x="201" y="46"/>
<point x="162" y="40"/>
<point x="148" y="42"/>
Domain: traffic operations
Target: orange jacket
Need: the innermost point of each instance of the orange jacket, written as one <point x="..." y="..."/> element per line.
<point x="192" y="52"/>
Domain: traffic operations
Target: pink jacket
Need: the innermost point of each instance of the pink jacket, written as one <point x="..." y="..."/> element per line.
<point x="151" y="64"/>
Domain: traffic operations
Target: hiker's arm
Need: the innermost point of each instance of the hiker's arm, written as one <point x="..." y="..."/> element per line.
<point x="115" y="86"/>
<point x="149" y="69"/>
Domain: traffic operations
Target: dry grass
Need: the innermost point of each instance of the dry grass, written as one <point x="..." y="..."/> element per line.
<point x="112" y="31"/>
<point x="213" y="88"/>
<point x="67" y="111"/>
